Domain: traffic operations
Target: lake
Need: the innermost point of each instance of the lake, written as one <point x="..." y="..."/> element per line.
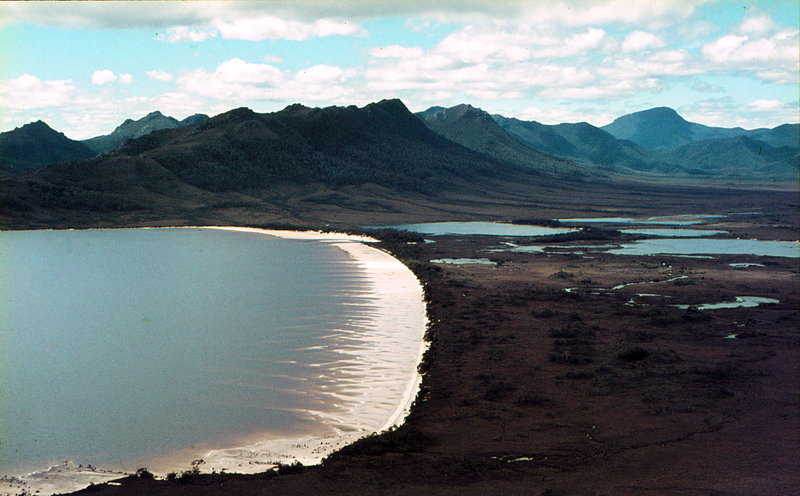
<point x="481" y="228"/>
<point x="133" y="347"/>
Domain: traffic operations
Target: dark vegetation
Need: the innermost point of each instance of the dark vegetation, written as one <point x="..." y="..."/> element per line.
<point x="476" y="130"/>
<point x="538" y="222"/>
<point x="382" y="143"/>
<point x="584" y="234"/>
<point x="36" y="145"/>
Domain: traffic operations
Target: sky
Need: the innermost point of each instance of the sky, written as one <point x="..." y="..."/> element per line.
<point x="84" y="67"/>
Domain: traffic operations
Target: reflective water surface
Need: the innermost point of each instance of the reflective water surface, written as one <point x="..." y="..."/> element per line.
<point x="121" y="346"/>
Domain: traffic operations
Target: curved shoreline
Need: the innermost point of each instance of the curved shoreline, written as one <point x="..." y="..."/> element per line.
<point x="388" y="277"/>
<point x="367" y="407"/>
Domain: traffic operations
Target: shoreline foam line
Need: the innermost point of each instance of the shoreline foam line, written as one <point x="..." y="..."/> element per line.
<point x="368" y="406"/>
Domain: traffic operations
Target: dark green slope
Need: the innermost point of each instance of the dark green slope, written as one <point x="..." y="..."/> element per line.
<point x="783" y="135"/>
<point x="478" y="131"/>
<point x="580" y="141"/>
<point x="739" y="156"/>
<point x="381" y="143"/>
<point x="37" y="145"/>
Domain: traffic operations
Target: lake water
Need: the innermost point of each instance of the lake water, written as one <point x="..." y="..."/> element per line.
<point x="481" y="228"/>
<point x="667" y="220"/>
<point x="120" y="347"/>
<point x="703" y="246"/>
<point x="687" y="246"/>
<point x="675" y="233"/>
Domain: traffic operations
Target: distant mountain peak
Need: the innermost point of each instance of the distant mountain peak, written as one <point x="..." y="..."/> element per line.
<point x="38" y="125"/>
<point x="463" y="110"/>
<point x="393" y="104"/>
<point x="130" y="129"/>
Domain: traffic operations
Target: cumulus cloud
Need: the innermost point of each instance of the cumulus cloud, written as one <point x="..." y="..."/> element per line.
<point x="641" y="40"/>
<point x="270" y="27"/>
<point x="558" y="115"/>
<point x="761" y="25"/>
<point x="177" y="34"/>
<point x="747" y="52"/>
<point x="159" y="75"/>
<point x="30" y="92"/>
<point x="105" y="76"/>
<point x="236" y="81"/>
<point x="123" y="15"/>
<point x="765" y="105"/>
<point x="779" y="77"/>
<point x="726" y="112"/>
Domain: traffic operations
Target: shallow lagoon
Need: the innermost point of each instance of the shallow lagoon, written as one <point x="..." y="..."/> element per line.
<point x="669" y="220"/>
<point x="679" y="247"/>
<point x="481" y="228"/>
<point x="704" y="246"/>
<point x="675" y="233"/>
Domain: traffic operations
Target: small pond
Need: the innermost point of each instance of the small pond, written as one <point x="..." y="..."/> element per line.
<point x="464" y="261"/>
<point x="740" y="301"/>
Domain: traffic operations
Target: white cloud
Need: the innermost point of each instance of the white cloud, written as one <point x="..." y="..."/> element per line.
<point x="641" y="40"/>
<point x="177" y="34"/>
<point x="159" y="75"/>
<point x="397" y="52"/>
<point x="761" y="25"/>
<point x="270" y="28"/>
<point x="30" y="92"/>
<point x="103" y="76"/>
<point x="655" y="13"/>
<point x="726" y="112"/>
<point x="238" y="71"/>
<point x="119" y="15"/>
<point x="747" y="52"/>
<point x="556" y="115"/>
<point x="321" y="74"/>
<point x="238" y="82"/>
<point x="606" y="89"/>
<point x="779" y="77"/>
<point x="765" y="105"/>
<point x="576" y="44"/>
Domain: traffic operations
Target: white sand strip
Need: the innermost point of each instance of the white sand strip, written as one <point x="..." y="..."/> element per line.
<point x="381" y="359"/>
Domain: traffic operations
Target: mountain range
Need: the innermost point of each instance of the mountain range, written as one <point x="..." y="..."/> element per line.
<point x="660" y="141"/>
<point x="368" y="159"/>
<point x="36" y="145"/>
<point x="243" y="158"/>
<point x="655" y="141"/>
